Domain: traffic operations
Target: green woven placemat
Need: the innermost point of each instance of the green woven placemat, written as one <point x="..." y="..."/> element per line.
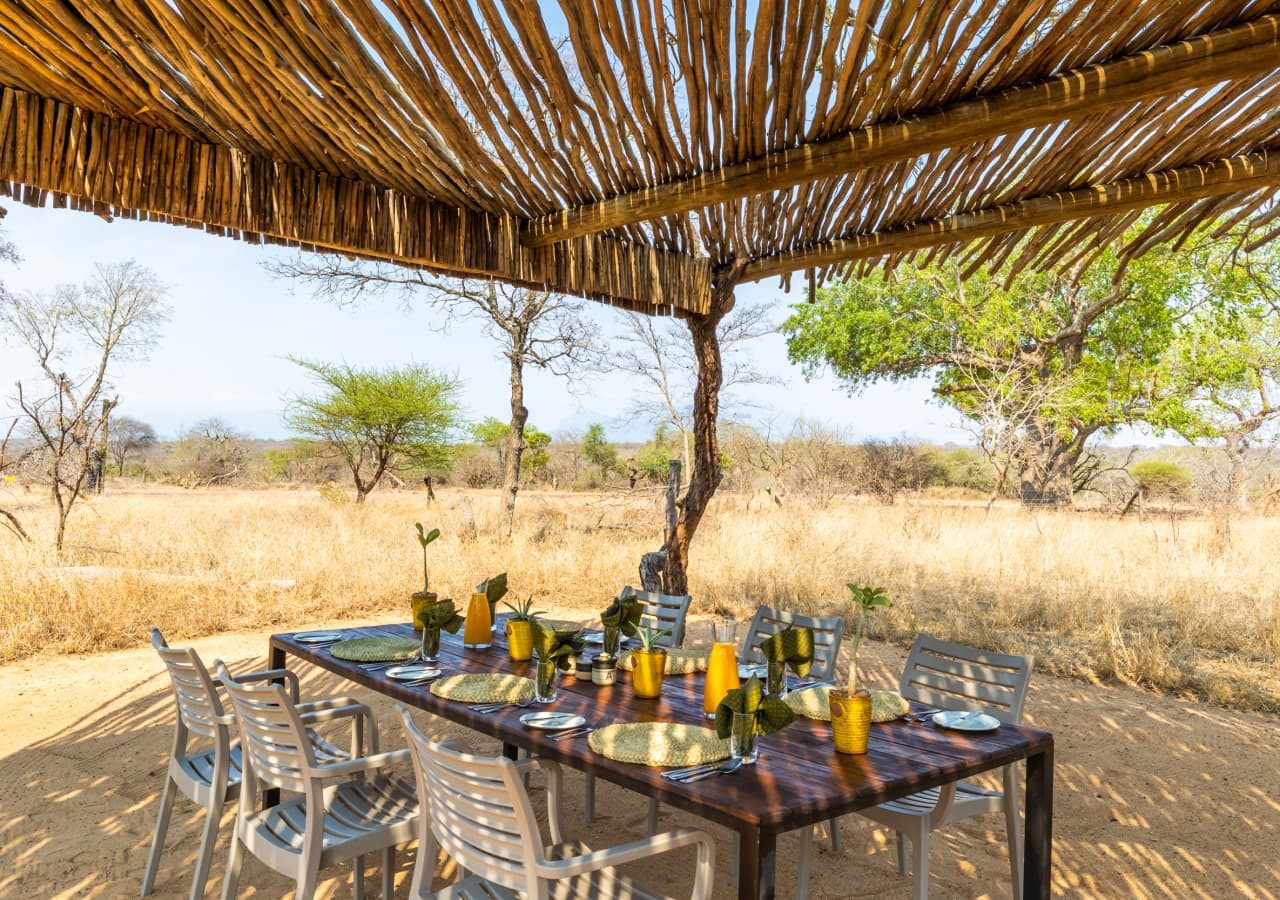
<point x="658" y="744"/>
<point x="679" y="662"/>
<point x="484" y="688"/>
<point x="376" y="649"/>
<point x="813" y="703"/>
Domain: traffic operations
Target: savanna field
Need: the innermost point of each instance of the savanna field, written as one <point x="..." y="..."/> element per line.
<point x="1176" y="604"/>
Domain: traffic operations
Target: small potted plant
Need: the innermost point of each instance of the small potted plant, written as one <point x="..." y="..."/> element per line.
<point x="620" y="617"/>
<point x="426" y="596"/>
<point x="649" y="663"/>
<point x="851" y="708"/>
<point x="555" y="654"/>
<point x="520" y="629"/>
<point x="494" y="589"/>
<point x="747" y="712"/>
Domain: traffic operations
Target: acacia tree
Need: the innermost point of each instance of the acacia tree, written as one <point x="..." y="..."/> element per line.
<point x="113" y="317"/>
<point x="378" y="420"/>
<point x="127" y="437"/>
<point x="1051" y="359"/>
<point x="535" y="328"/>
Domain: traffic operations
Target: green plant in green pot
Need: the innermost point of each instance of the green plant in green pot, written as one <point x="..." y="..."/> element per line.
<point x="851" y="708"/>
<point x="620" y="617"/>
<point x="520" y="629"/>
<point x="494" y="589"/>
<point x="426" y="596"/>
<point x="748" y="712"/>
<point x="554" y="654"/>
<point x="433" y="618"/>
<point x="791" y="648"/>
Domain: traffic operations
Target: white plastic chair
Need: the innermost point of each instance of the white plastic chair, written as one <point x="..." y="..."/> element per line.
<point x="479" y="811"/>
<point x="952" y="676"/>
<point x="210" y="778"/>
<point x="326" y="823"/>
<point x="828" y="633"/>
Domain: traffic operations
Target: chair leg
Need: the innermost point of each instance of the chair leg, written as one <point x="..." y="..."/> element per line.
<point x="806" y="861"/>
<point x="1012" y="829"/>
<point x="213" y="818"/>
<point x="834" y="827"/>
<point x="307" y="882"/>
<point x="902" y="854"/>
<point x="920" y="865"/>
<point x="357" y="890"/>
<point x="589" y="798"/>
<point x="388" y="873"/>
<point x="157" y="842"/>
<point x="231" y="881"/>
<point x="651" y="823"/>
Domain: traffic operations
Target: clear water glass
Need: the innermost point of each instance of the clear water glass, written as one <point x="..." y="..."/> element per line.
<point x="744" y="741"/>
<point x="546" y="684"/>
<point x="430" y="643"/>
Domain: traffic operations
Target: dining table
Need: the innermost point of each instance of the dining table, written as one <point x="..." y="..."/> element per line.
<point x="798" y="781"/>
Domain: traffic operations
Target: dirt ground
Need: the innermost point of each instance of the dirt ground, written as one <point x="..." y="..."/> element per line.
<point x="1155" y="797"/>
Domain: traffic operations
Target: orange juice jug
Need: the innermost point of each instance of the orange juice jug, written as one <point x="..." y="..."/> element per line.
<point x="722" y="674"/>
<point x="478" y="632"/>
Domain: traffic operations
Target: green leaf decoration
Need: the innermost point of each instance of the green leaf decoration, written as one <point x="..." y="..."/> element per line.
<point x="549" y="645"/>
<point x="792" y="647"/>
<point x="625" y="616"/>
<point x="494" y="589"/>
<point x="772" y="713"/>
<point x="428" y="537"/>
<point x="869" y="597"/>
<point x="441" y="614"/>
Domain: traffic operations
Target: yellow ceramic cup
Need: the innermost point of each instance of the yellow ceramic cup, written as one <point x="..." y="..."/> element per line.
<point x="850" y="721"/>
<point x="520" y="639"/>
<point x="646" y="675"/>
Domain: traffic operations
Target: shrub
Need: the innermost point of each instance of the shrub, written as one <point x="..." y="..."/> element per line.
<point x="1161" y="478"/>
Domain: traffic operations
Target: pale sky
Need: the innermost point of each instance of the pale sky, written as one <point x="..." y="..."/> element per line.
<point x="223" y="353"/>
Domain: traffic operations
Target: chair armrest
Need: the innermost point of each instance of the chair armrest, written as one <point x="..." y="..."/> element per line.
<point x="363" y="722"/>
<point x="362" y="764"/>
<point x="290" y="678"/>
<point x="676" y="839"/>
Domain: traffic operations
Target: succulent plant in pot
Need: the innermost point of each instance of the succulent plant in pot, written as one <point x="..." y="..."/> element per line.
<point x="426" y="596"/>
<point x="851" y="708"/>
<point x="520" y="628"/>
<point x="649" y="663"/>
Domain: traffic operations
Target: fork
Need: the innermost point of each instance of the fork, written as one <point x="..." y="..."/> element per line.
<point x="919" y="718"/>
<point x="574" y="733"/>
<point x="494" y="707"/>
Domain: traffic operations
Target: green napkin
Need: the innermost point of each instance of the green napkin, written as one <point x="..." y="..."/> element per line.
<point x="625" y="616"/>
<point x="549" y="645"/>
<point x="441" y="614"/>
<point x="494" y="589"/>
<point x="791" y="646"/>
<point x="772" y="713"/>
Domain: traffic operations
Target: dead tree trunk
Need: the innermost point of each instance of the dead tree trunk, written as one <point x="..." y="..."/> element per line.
<point x="515" y="448"/>
<point x="652" y="565"/>
<point x="706" y="472"/>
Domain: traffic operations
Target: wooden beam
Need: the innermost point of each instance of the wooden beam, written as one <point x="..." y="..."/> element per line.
<point x="53" y="151"/>
<point x="1237" y="52"/>
<point x="1238" y="174"/>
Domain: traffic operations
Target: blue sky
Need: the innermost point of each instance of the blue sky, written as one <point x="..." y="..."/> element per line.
<point x="223" y="353"/>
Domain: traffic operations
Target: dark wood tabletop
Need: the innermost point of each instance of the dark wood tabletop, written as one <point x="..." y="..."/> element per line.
<point x="798" y="781"/>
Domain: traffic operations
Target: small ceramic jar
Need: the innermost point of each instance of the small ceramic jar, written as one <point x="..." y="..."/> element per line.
<point x="604" y="671"/>
<point x="582" y="663"/>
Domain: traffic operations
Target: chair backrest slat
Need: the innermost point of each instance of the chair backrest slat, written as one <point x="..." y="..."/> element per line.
<point x="665" y="611"/>
<point x="199" y="706"/>
<point x="272" y="737"/>
<point x="945" y="674"/>
<point x="478" y="811"/>
<point x="828" y="632"/>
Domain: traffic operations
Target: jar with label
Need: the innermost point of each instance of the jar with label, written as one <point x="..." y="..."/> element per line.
<point x="582" y="663"/>
<point x="604" y="671"/>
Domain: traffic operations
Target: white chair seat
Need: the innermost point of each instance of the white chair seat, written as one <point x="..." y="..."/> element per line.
<point x="194" y="773"/>
<point x="925" y="802"/>
<point x="361" y="816"/>
<point x="590" y="886"/>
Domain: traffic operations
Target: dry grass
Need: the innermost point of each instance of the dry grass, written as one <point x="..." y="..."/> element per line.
<point x="1162" y="603"/>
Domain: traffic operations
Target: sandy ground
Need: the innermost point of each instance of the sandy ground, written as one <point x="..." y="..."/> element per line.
<point x="1155" y="797"/>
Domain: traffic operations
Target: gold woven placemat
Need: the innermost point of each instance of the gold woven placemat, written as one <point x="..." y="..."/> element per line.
<point x="376" y="649"/>
<point x="484" y="688"/>
<point x="679" y="662"/>
<point x="658" y="744"/>
<point x="813" y="703"/>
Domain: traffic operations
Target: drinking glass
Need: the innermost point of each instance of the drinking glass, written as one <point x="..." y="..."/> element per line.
<point x="743" y="739"/>
<point x="776" y="679"/>
<point x="546" y="685"/>
<point x="430" y="643"/>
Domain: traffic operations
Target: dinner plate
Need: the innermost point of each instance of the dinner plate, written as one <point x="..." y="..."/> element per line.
<point x="593" y="637"/>
<point x="318" y="637"/>
<point x="412" y="673"/>
<point x="552" y="721"/>
<point x="746" y="670"/>
<point x="963" y="721"/>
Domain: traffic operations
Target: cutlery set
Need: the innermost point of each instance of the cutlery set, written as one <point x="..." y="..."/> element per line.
<point x="692" y="774"/>
<point x="572" y="733"/>
<point x="485" y="708"/>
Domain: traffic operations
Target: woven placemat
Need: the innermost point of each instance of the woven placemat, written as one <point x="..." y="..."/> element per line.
<point x="376" y="649"/>
<point x="679" y="662"/>
<point x="813" y="703"/>
<point x="484" y="688"/>
<point x="658" y="744"/>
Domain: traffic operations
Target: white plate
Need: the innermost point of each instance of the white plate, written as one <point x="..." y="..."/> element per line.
<point x="412" y="673"/>
<point x="746" y="670"/>
<point x="318" y="637"/>
<point x="963" y="721"/>
<point x="552" y="721"/>
<point x="593" y="637"/>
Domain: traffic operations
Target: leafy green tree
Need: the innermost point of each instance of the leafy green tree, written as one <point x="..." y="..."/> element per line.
<point x="378" y="420"/>
<point x="1043" y="361"/>
<point x="536" y="456"/>
<point x="602" y="454"/>
<point x="1161" y="478"/>
<point x="493" y="434"/>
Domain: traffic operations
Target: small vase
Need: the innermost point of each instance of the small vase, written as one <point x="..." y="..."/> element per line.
<point x="647" y="672"/>
<point x="430" y="643"/>
<point x="776" y="679"/>
<point x="418" y="601"/>
<point x="744" y="738"/>
<point x="520" y="639"/>
<point x="850" y="721"/>
<point x="546" y="688"/>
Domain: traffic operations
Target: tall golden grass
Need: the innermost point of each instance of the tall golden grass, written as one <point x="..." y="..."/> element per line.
<point x="1170" y="604"/>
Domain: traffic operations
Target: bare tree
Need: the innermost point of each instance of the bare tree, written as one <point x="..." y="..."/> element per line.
<point x="533" y="327"/>
<point x="113" y="317"/>
<point x="128" y="436"/>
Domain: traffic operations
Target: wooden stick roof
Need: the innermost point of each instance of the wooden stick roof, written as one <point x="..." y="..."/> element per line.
<point x="626" y="150"/>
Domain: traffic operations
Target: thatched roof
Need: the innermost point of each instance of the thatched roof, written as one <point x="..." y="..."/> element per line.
<point x="628" y="149"/>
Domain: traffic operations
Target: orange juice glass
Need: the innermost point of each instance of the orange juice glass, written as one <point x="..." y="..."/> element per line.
<point x="722" y="669"/>
<point x="478" y="631"/>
